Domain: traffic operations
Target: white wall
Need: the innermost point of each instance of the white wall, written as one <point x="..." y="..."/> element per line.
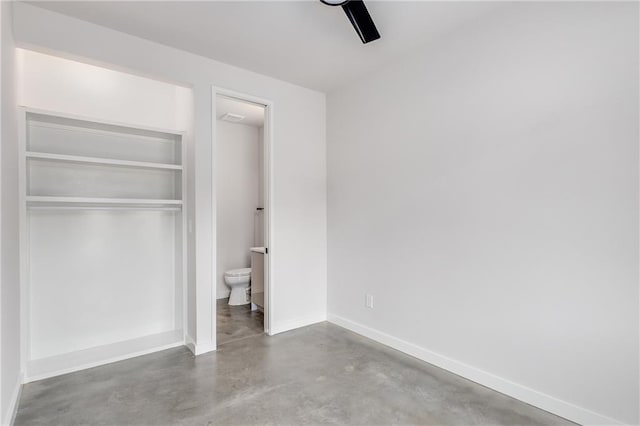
<point x="57" y="84"/>
<point x="9" y="265"/>
<point x="131" y="281"/>
<point x="238" y="182"/>
<point x="299" y="160"/>
<point x="62" y="85"/>
<point x="485" y="191"/>
<point x="260" y="219"/>
<point x="88" y="290"/>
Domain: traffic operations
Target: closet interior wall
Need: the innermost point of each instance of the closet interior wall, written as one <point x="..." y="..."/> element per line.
<point x="104" y="227"/>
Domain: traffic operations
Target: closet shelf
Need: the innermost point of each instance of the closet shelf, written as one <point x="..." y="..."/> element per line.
<point x="66" y="174"/>
<point x="97" y="160"/>
<point x="49" y="200"/>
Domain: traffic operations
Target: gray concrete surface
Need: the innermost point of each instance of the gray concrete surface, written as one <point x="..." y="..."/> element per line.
<point x="237" y="322"/>
<point x="320" y="374"/>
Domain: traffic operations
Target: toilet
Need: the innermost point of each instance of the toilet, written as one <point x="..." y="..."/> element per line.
<point x="238" y="281"/>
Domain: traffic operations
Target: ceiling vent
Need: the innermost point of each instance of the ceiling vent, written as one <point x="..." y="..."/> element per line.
<point x="233" y="118"/>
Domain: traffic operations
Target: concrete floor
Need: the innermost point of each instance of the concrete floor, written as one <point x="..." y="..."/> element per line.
<point x="320" y="374"/>
<point x="237" y="322"/>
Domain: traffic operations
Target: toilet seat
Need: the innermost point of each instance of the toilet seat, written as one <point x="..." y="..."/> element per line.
<point x="242" y="272"/>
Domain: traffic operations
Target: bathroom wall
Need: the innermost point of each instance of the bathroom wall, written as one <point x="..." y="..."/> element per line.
<point x="484" y="190"/>
<point x="238" y="181"/>
<point x="260" y="219"/>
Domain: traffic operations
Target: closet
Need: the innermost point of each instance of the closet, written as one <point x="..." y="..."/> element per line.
<point x="102" y="241"/>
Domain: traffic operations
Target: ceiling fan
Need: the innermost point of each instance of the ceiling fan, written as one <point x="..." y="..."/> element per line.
<point x="359" y="16"/>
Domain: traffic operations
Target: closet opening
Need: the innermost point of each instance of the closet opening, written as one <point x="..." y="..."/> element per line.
<point x="242" y="163"/>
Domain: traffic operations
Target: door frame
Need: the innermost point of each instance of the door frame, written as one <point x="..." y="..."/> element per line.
<point x="268" y="212"/>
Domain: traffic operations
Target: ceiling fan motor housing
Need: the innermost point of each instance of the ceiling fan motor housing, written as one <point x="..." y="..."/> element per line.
<point x="335" y="2"/>
<point x="360" y="18"/>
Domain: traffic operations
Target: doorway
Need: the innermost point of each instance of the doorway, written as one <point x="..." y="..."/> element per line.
<point x="242" y="212"/>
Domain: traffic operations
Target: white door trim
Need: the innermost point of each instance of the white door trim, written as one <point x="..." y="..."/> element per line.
<point x="268" y="195"/>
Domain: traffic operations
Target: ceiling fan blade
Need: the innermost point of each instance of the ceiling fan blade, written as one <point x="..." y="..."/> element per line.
<point x="361" y="20"/>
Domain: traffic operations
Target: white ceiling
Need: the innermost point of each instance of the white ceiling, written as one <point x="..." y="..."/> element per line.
<point x="253" y="113"/>
<point x="303" y="42"/>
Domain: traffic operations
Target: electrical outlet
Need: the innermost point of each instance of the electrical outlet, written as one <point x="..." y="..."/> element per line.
<point x="368" y="301"/>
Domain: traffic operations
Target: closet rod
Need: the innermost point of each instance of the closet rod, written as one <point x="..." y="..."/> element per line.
<point x="169" y="209"/>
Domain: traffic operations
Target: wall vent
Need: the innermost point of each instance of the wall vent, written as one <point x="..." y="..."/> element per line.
<point x="234" y="118"/>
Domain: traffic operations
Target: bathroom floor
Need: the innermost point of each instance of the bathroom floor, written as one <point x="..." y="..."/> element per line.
<point x="237" y="322"/>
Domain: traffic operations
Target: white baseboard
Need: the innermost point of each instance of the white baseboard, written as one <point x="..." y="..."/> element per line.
<point x="12" y="409"/>
<point x="101" y="355"/>
<point x="198" y="349"/>
<point x="515" y="390"/>
<point x="204" y="348"/>
<point x="190" y="343"/>
<point x="283" y="326"/>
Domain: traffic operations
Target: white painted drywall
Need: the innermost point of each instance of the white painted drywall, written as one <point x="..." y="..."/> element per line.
<point x="123" y="286"/>
<point x="298" y="241"/>
<point x="260" y="216"/>
<point x="57" y="84"/>
<point x="238" y="180"/>
<point x="485" y="191"/>
<point x="9" y="264"/>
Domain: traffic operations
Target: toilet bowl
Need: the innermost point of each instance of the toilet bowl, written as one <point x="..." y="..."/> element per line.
<point x="238" y="281"/>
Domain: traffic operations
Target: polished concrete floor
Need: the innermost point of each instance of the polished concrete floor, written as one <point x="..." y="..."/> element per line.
<point x="237" y="322"/>
<point x="320" y="374"/>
